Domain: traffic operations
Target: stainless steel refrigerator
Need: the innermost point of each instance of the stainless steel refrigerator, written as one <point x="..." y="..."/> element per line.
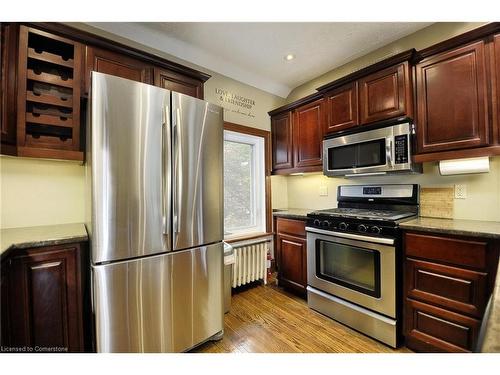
<point x="155" y="217"/>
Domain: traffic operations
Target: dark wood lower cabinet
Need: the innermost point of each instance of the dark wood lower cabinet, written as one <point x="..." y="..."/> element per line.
<point x="5" y="318"/>
<point x="45" y="291"/>
<point x="291" y="247"/>
<point x="432" y="329"/>
<point x="456" y="289"/>
<point x="448" y="280"/>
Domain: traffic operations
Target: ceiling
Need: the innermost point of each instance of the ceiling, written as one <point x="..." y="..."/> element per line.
<point x="253" y="53"/>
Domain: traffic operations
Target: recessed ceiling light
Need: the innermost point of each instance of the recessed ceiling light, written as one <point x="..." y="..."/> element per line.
<point x="289" y="57"/>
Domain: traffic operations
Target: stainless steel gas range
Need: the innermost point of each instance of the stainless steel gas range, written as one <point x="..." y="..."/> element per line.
<point x="354" y="258"/>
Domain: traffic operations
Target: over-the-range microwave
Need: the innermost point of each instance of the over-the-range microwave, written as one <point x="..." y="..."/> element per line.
<point x="380" y="151"/>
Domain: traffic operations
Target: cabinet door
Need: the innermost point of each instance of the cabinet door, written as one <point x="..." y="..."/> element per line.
<point x="8" y="59"/>
<point x="292" y="262"/>
<point x="452" y="109"/>
<point x="308" y="125"/>
<point x="458" y="251"/>
<point x="342" y="108"/>
<point x="108" y="62"/>
<point x="496" y="86"/>
<point x="457" y="289"/>
<point x="178" y="83"/>
<point x="432" y="329"/>
<point x="281" y="130"/>
<point x="46" y="298"/>
<point x="385" y="94"/>
<point x="5" y="321"/>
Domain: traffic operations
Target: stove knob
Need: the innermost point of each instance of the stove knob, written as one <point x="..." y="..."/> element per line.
<point x="325" y="224"/>
<point x="375" y="230"/>
<point x="316" y="222"/>
<point x="362" y="228"/>
<point x="343" y="226"/>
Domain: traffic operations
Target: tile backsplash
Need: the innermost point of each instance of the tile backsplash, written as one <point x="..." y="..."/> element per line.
<point x="436" y="202"/>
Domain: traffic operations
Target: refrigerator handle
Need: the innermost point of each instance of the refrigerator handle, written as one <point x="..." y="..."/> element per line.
<point x="177" y="169"/>
<point x="166" y="173"/>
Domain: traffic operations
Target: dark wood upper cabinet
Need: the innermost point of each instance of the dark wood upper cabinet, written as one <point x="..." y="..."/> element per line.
<point x="178" y="83"/>
<point x="385" y="94"/>
<point x="308" y="125"/>
<point x="48" y="95"/>
<point x="45" y="78"/>
<point x="8" y="59"/>
<point x="281" y="130"/>
<point x="452" y="103"/>
<point x="495" y="67"/>
<point x="341" y="108"/>
<point x="46" y="298"/>
<point x="297" y="136"/>
<point x="379" y="92"/>
<point x="116" y="64"/>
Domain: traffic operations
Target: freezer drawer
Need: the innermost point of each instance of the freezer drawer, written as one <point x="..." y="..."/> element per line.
<point x="163" y="303"/>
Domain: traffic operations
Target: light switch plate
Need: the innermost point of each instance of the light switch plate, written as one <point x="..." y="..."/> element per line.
<point x="323" y="191"/>
<point x="460" y="191"/>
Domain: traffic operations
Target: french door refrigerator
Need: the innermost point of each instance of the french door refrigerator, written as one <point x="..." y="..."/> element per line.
<point x="155" y="204"/>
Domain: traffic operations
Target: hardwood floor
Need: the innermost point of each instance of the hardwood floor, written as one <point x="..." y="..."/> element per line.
<point x="266" y="319"/>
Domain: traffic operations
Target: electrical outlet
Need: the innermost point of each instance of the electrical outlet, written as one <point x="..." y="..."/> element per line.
<point x="323" y="191"/>
<point x="460" y="191"/>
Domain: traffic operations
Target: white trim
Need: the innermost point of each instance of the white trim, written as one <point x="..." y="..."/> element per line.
<point x="258" y="177"/>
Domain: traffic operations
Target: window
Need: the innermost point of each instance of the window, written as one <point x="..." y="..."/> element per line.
<point x="244" y="184"/>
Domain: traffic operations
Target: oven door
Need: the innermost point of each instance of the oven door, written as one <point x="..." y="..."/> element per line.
<point x="356" y="268"/>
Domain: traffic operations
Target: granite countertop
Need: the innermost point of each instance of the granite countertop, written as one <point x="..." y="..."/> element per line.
<point x="486" y="229"/>
<point x="293" y="213"/>
<point x="22" y="238"/>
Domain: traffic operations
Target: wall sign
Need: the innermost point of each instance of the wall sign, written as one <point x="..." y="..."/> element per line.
<point x="235" y="103"/>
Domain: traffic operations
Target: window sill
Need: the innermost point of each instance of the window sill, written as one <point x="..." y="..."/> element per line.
<point x="248" y="236"/>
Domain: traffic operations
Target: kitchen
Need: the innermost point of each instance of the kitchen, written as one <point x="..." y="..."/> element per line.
<point x="434" y="292"/>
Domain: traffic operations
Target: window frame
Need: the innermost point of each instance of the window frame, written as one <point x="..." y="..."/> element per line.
<point x="266" y="135"/>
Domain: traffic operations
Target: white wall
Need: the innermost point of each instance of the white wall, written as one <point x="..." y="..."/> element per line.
<point x="419" y="40"/>
<point x="483" y="190"/>
<point x="279" y="189"/>
<point x="44" y="192"/>
<point x="482" y="202"/>
<point x="40" y="192"/>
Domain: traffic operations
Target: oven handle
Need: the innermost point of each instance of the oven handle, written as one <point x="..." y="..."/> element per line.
<point x="385" y="241"/>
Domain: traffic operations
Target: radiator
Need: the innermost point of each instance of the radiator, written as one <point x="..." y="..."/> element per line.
<point x="250" y="262"/>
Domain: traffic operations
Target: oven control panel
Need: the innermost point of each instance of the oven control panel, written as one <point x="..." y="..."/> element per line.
<point x="373" y="228"/>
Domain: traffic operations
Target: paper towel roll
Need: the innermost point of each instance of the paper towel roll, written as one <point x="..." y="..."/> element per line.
<point x="464" y="166"/>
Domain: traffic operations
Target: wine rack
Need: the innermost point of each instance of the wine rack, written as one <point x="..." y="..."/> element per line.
<point x="49" y="84"/>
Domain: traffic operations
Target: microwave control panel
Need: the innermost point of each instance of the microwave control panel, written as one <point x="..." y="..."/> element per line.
<point x="401" y="149"/>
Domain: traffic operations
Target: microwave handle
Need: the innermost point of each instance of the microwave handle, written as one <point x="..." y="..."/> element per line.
<point x="388" y="152"/>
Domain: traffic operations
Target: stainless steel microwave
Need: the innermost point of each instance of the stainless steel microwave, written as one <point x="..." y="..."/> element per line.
<point x="381" y="151"/>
